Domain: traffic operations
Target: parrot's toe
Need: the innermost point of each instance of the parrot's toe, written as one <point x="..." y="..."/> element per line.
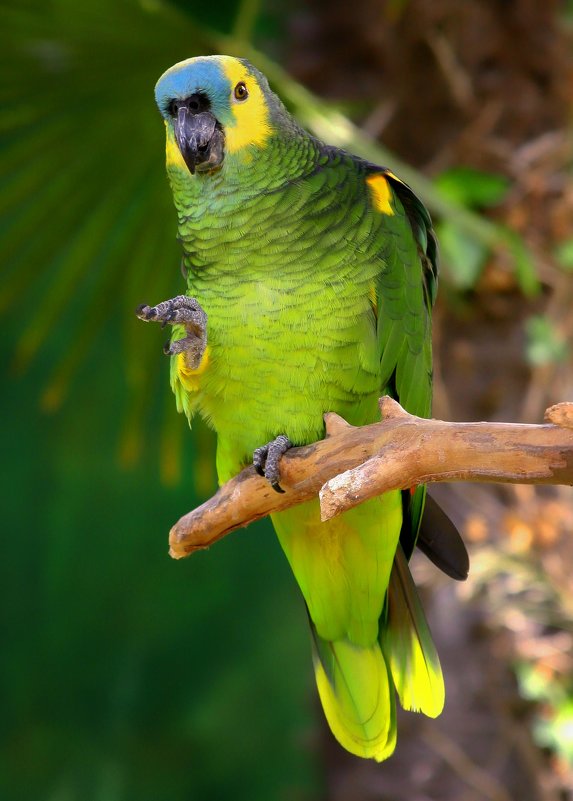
<point x="266" y="460"/>
<point x="145" y="312"/>
<point x="257" y="462"/>
<point x="181" y="310"/>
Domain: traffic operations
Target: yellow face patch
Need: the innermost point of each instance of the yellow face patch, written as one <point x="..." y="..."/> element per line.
<point x="381" y="193"/>
<point x="252" y="126"/>
<point x="173" y="155"/>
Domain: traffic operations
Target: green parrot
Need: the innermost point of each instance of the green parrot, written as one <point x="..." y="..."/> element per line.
<point x="310" y="280"/>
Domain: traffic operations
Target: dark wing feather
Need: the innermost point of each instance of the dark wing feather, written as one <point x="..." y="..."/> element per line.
<point x="440" y="541"/>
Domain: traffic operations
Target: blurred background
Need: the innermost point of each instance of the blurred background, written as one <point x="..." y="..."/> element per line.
<point x="125" y="675"/>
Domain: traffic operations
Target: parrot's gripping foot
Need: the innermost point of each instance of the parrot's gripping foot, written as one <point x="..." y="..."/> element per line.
<point x="266" y="460"/>
<point x="185" y="311"/>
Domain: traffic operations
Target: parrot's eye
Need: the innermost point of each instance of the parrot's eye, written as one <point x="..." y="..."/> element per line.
<point x="241" y="92"/>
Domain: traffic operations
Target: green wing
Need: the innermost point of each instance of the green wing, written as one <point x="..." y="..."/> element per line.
<point x="405" y="292"/>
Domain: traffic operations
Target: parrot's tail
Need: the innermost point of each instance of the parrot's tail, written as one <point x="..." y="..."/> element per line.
<point x="357" y="684"/>
<point x="357" y="696"/>
<point x="408" y="646"/>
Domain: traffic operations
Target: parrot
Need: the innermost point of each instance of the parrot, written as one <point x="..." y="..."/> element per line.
<point x="311" y="275"/>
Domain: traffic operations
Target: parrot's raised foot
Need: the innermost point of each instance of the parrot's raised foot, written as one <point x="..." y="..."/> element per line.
<point x="181" y="310"/>
<point x="266" y="460"/>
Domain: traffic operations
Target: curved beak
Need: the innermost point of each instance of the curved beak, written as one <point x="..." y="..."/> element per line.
<point x="199" y="138"/>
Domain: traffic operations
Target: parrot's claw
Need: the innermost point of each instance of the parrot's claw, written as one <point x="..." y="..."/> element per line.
<point x="181" y="310"/>
<point x="266" y="460"/>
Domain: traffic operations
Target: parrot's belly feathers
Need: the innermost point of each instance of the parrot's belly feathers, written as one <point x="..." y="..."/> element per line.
<point x="276" y="365"/>
<point x="316" y="272"/>
<point x="290" y="337"/>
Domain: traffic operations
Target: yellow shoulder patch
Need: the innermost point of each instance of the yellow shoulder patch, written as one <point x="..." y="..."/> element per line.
<point x="252" y="126"/>
<point x="381" y="193"/>
<point x="190" y="379"/>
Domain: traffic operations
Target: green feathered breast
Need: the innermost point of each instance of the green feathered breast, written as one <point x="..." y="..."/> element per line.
<point x="317" y="272"/>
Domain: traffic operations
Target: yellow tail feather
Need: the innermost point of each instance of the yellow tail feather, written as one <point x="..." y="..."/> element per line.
<point x="408" y="646"/>
<point x="357" y="696"/>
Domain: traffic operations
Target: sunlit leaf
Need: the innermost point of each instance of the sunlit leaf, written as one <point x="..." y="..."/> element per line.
<point x="463" y="256"/>
<point x="524" y="264"/>
<point x="544" y="345"/>
<point x="471" y="187"/>
<point x="564" y="255"/>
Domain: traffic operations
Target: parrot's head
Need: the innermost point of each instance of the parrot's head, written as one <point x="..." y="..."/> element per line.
<point x="215" y="107"/>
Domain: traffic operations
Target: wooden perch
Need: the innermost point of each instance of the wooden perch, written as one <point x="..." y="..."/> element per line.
<point x="353" y="464"/>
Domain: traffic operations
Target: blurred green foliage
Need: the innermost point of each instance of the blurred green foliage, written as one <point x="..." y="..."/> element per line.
<point x="473" y="188"/>
<point x="553" y="727"/>
<point x="464" y="256"/>
<point x="124" y="674"/>
<point x="564" y="255"/>
<point x="544" y="343"/>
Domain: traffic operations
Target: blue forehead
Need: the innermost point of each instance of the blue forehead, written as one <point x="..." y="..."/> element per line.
<point x="188" y="77"/>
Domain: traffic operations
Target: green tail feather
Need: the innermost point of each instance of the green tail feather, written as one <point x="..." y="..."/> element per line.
<point x="357" y="696"/>
<point x="408" y="647"/>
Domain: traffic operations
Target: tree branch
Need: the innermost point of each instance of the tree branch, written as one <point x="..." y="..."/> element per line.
<point x="353" y="464"/>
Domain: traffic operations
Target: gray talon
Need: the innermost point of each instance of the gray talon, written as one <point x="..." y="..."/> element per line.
<point x="266" y="460"/>
<point x="145" y="312"/>
<point x="181" y="310"/>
